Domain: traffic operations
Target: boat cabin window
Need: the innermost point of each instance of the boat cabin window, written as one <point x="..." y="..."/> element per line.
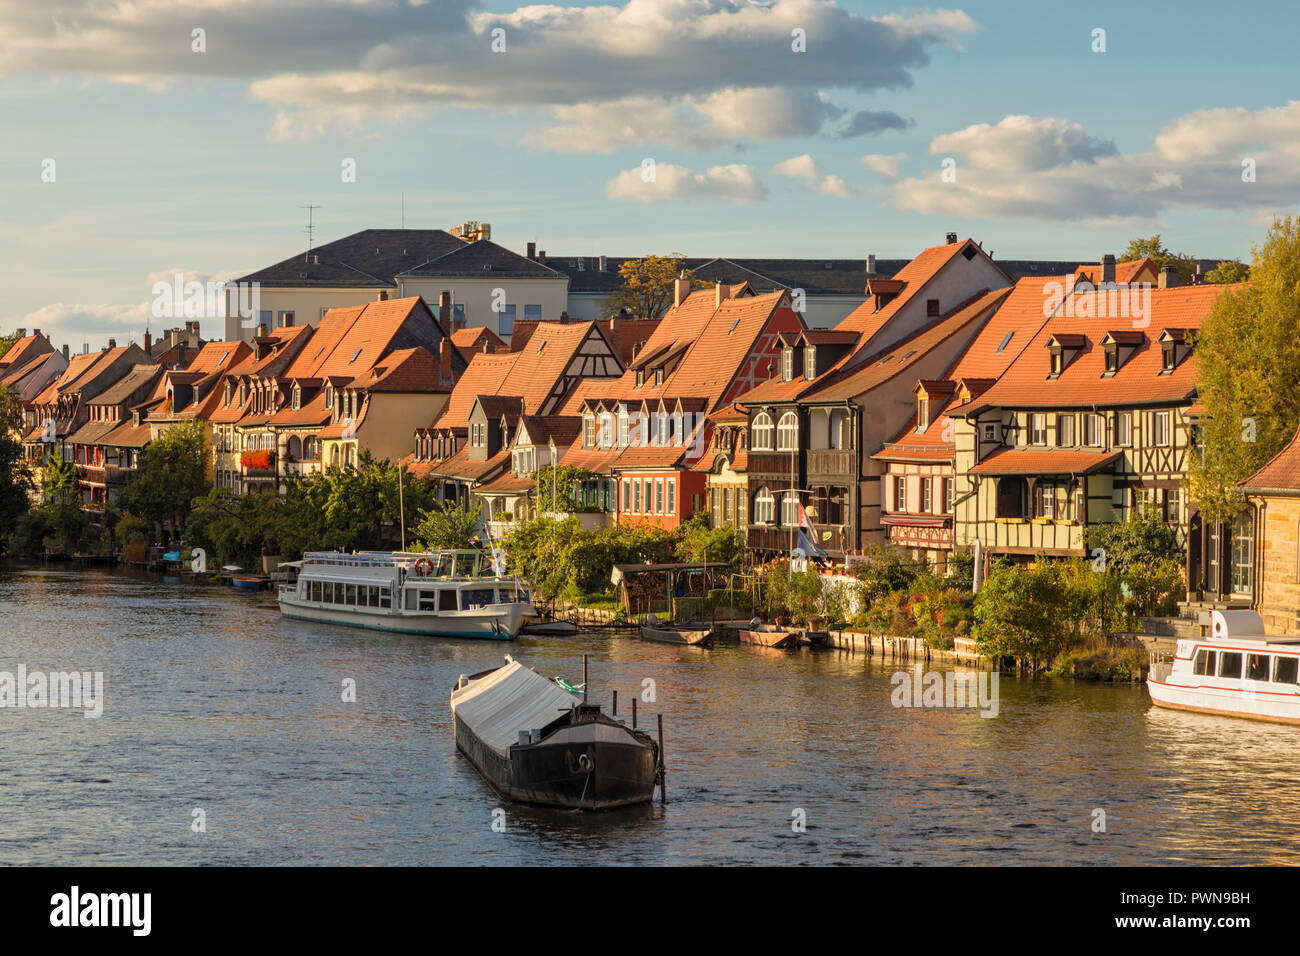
<point x="1205" y="662"/>
<point x="1286" y="669"/>
<point x="447" y="599"/>
<point x="1229" y="664"/>
<point x="476" y="597"/>
<point x="506" y="596"/>
<point x="1257" y="666"/>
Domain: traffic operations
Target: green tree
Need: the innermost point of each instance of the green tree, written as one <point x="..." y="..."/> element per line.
<point x="172" y="473"/>
<point x="557" y="489"/>
<point x="1152" y="248"/>
<point x="647" y="285"/>
<point x="1140" y="551"/>
<point x="1229" y="270"/>
<point x="15" y="475"/>
<point x="7" y="342"/>
<point x="1248" y="356"/>
<point x="1018" y="614"/>
<point x="446" y="526"/>
<point x="701" y="543"/>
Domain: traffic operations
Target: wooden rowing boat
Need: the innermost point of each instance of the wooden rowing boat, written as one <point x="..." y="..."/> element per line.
<point x="668" y="635"/>
<point x="769" y="635"/>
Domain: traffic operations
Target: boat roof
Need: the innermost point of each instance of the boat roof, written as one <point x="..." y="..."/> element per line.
<point x="1260" y="639"/>
<point x="497" y="706"/>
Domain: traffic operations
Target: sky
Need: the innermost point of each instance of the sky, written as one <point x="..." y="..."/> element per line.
<point x="136" y="147"/>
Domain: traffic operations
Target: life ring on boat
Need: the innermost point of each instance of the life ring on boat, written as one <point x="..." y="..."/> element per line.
<point x="423" y="567"/>
<point x="586" y="763"/>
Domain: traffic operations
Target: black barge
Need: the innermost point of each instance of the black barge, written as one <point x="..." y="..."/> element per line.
<point x="536" y="742"/>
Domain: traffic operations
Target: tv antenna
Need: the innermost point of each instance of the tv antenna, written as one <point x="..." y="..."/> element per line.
<point x="311" y="230"/>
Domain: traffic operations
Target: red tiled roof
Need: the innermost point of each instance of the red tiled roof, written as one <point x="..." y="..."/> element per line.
<point x="1280" y="473"/>
<point x="914" y="276"/>
<point x="1138" y="380"/>
<point x="1125" y="272"/>
<point x="406" y="370"/>
<point x="24" y="350"/>
<point x="1016" y="461"/>
<point x="852" y="382"/>
<point x="469" y="342"/>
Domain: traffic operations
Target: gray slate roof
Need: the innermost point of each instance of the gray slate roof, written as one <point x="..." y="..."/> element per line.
<point x="371" y="258"/>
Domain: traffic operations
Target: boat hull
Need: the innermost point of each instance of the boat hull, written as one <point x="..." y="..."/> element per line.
<point x="579" y="767"/>
<point x="665" y="636"/>
<point x="496" y="623"/>
<point x="1270" y="706"/>
<point x="770" y="638"/>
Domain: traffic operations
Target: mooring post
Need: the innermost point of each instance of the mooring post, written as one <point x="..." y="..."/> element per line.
<point x="634" y="711"/>
<point x="584" y="678"/>
<point x="614" y="707"/>
<point x="663" y="769"/>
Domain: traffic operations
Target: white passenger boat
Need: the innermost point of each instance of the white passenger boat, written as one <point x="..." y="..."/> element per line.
<point x="1237" y="671"/>
<point x="442" y="594"/>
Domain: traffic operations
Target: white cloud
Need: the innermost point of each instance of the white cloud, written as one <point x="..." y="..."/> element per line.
<point x="885" y="165"/>
<point x="1049" y="168"/>
<point x="809" y="172"/>
<point x="735" y="183"/>
<point x="725" y="68"/>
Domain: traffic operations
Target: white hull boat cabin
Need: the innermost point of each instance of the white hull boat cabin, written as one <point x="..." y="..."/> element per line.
<point x="1237" y="671"/>
<point x="442" y="594"/>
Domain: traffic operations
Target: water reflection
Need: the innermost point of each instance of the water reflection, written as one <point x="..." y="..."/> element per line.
<point x="214" y="702"/>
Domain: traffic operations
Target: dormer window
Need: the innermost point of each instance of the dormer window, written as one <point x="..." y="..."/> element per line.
<point x="1119" y="348"/>
<point x="640" y="377"/>
<point x="932" y="308"/>
<point x="622" y="426"/>
<point x="787" y="364"/>
<point x="1174" y="347"/>
<point x="922" y="412"/>
<point x="297" y="397"/>
<point x="329" y="396"/>
<point x="659" y="376"/>
<point x="809" y="363"/>
<point x="589" y="430"/>
<point x="1063" y="349"/>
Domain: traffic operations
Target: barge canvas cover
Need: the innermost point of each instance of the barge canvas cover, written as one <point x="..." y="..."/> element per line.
<point x="538" y="743"/>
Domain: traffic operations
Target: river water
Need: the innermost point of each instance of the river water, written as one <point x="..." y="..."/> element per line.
<point x="213" y="703"/>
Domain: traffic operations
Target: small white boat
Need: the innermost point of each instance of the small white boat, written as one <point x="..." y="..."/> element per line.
<point x="441" y="594"/>
<point x="1237" y="671"/>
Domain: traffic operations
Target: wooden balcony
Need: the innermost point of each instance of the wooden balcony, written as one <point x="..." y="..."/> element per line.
<point x="773" y="463"/>
<point x="831" y="463"/>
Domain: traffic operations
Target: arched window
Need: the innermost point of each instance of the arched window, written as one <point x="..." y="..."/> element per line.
<point x="764" y="506"/>
<point x="787" y="432"/>
<point x="762" y="440"/>
<point x="295" y="447"/>
<point x="334" y="455"/>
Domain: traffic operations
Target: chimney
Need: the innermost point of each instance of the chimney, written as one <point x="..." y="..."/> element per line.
<point x="564" y="315"/>
<point x="718" y="295"/>
<point x="604" y="263"/>
<point x="541" y="257"/>
<point x="952" y="237"/>
<point x="173" y="337"/>
<point x="1168" y="278"/>
<point x="148" y="343"/>
<point x="112" y="343"/>
<point x="444" y="309"/>
<point x="444" y="360"/>
<point x="180" y="355"/>
<point x="871" y="265"/>
<point x="532" y="250"/>
<point x="383" y="295"/>
<point x="681" y="289"/>
<point x="262" y="330"/>
<point x="1108" y="268"/>
<point x="22" y="333"/>
<point x="65" y="351"/>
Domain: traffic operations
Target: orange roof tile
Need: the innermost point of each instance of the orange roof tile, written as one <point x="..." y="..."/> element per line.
<point x="1016" y="461"/>
<point x="1281" y="473"/>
